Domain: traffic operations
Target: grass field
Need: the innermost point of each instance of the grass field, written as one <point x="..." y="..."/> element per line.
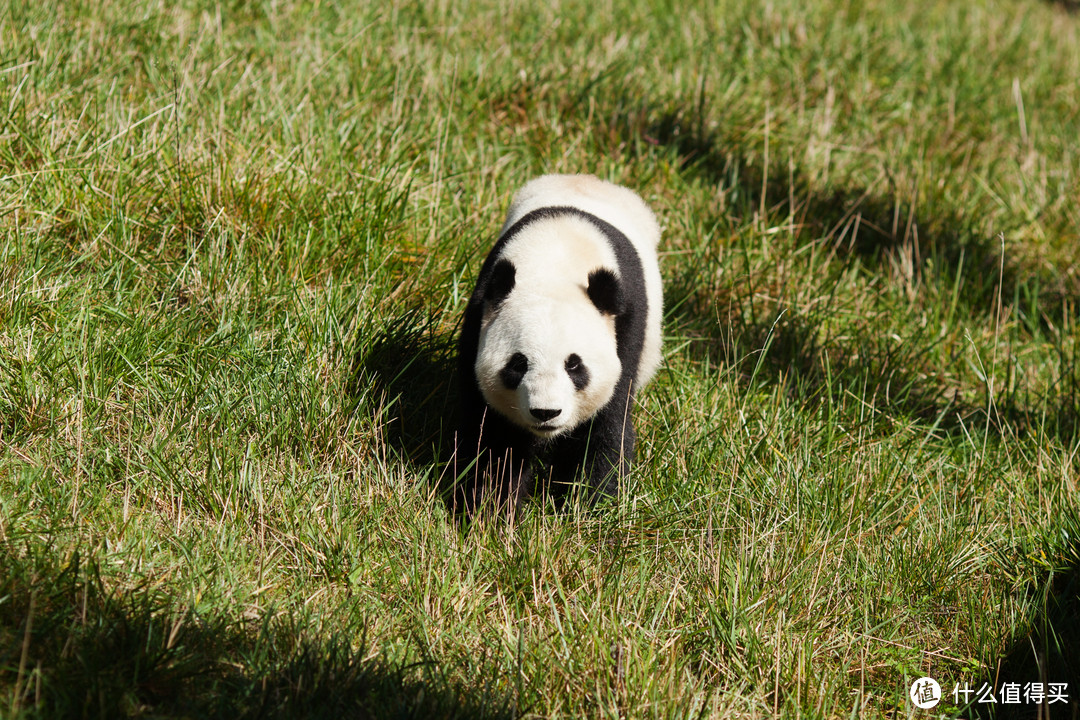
<point x="236" y="240"/>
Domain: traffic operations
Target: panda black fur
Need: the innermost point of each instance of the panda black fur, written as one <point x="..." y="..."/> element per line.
<point x="562" y="329"/>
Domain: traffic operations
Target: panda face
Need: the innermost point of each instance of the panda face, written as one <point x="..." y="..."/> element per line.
<point x="547" y="362"/>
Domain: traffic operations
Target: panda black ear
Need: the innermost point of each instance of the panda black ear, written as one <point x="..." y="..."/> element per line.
<point x="605" y="292"/>
<point x="501" y="282"/>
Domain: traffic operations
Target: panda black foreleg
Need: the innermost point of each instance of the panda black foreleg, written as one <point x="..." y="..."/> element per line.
<point x="598" y="454"/>
<point x="493" y="465"/>
<point x="611" y="453"/>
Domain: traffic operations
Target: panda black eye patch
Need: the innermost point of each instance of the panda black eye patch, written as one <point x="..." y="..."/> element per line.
<point x="575" y="368"/>
<point x="514" y="371"/>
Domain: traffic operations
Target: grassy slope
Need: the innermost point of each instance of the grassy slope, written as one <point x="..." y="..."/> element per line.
<point x="235" y="245"/>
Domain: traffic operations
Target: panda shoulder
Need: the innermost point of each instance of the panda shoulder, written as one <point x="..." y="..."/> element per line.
<point x="612" y="203"/>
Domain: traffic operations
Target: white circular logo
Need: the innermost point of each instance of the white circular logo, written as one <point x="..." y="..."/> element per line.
<point x="925" y="693"/>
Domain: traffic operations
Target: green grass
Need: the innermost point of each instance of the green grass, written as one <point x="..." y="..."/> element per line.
<point x="235" y="245"/>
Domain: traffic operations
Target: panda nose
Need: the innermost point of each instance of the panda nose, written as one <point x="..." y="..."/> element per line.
<point x="544" y="415"/>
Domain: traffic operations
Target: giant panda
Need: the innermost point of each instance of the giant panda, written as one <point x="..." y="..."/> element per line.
<point x="562" y="328"/>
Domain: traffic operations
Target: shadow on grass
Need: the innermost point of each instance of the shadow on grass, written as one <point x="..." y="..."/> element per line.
<point x="1069" y="6"/>
<point x="72" y="646"/>
<point x="875" y="229"/>
<point x="896" y="378"/>
<point x="1049" y="654"/>
<point x="873" y="223"/>
<point x="410" y="368"/>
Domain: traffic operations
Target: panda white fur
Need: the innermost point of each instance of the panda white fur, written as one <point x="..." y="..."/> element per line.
<point x="562" y="329"/>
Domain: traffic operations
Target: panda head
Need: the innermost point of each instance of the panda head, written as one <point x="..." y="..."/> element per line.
<point x="547" y="361"/>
